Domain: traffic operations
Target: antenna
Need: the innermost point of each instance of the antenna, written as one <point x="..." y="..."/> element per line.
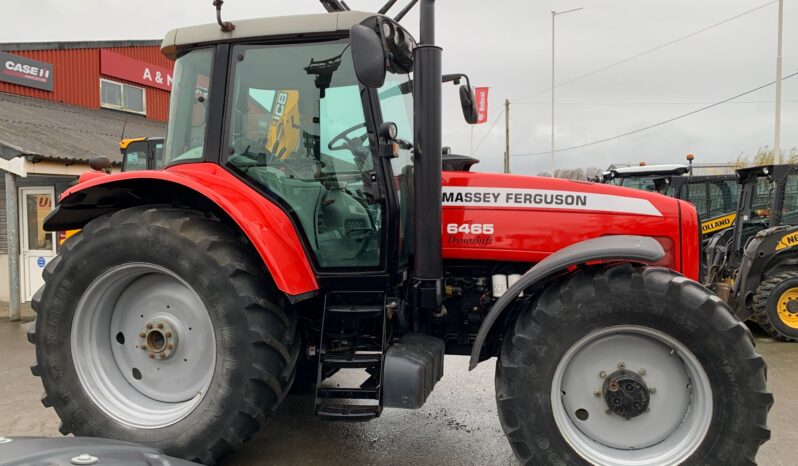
<point x="405" y="10"/>
<point x="124" y="125"/>
<point x="226" y="26"/>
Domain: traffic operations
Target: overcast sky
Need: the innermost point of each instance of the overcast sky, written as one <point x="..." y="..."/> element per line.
<point x="506" y="45"/>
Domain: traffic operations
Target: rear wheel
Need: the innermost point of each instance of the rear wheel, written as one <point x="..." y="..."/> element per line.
<point x="632" y="366"/>
<point x="776" y="305"/>
<point x="160" y="326"/>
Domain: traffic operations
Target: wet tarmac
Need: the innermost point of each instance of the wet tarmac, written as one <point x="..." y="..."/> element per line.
<point x="457" y="426"/>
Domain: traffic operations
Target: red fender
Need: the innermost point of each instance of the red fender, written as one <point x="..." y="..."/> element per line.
<point x="267" y="226"/>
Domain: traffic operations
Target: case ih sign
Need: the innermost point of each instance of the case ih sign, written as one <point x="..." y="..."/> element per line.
<point x="26" y="72"/>
<point x="120" y="66"/>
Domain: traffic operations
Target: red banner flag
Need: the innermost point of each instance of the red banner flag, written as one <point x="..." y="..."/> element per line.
<point x="481" y="96"/>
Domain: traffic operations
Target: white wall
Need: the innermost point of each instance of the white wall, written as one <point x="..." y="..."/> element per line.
<point x="4" y="277"/>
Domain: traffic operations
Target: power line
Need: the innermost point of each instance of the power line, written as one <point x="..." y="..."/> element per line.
<point x="661" y="46"/>
<point x="660" y="123"/>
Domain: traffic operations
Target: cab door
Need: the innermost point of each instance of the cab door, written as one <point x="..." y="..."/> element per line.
<point x="37" y="247"/>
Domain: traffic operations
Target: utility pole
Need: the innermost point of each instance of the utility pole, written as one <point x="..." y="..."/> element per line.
<point x="472" y="140"/>
<point x="554" y="14"/>
<point x="12" y="230"/>
<point x="777" y="142"/>
<point x="506" y="135"/>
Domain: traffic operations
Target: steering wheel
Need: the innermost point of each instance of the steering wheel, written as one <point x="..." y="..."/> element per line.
<point x="348" y="143"/>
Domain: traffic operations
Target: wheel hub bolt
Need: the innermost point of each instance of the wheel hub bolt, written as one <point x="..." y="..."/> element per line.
<point x="642" y="372"/>
<point x="621" y="365"/>
<point x="652" y="390"/>
<point x="602" y="374"/>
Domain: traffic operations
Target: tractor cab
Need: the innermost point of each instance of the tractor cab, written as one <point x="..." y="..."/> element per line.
<point x="642" y="177"/>
<point x="301" y="129"/>
<point x="141" y="153"/>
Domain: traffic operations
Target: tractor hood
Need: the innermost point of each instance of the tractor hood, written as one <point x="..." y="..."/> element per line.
<point x="520" y="218"/>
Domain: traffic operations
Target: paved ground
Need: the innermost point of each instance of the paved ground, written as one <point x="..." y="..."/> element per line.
<point x="458" y="425"/>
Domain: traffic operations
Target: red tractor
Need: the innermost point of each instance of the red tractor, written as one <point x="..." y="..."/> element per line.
<point x="195" y="296"/>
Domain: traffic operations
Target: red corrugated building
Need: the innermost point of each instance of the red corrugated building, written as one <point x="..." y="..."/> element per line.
<point x="79" y="67"/>
<point x="62" y="103"/>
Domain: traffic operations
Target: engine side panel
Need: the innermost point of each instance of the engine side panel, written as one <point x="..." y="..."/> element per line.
<point x="526" y="219"/>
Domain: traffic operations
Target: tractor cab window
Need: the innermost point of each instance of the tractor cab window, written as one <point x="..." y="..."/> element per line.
<point x="135" y="157"/>
<point x="396" y="102"/>
<point x="188" y="114"/>
<point x="763" y="193"/>
<point x="159" y="160"/>
<point x="790" y="207"/>
<point x="712" y="198"/>
<point x="643" y="183"/>
<point x="297" y="129"/>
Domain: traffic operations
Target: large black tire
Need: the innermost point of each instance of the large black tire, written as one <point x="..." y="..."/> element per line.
<point x="253" y="327"/>
<point x="766" y="306"/>
<point x="593" y="299"/>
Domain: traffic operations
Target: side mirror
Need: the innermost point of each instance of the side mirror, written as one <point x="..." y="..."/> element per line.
<point x="467" y="101"/>
<point x="100" y="163"/>
<point x="367" y="56"/>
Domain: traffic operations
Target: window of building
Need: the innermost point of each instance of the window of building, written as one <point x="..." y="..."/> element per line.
<point x="122" y="97"/>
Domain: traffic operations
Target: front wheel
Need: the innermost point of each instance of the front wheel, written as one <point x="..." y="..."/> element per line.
<point x="631" y="366"/>
<point x="776" y="306"/>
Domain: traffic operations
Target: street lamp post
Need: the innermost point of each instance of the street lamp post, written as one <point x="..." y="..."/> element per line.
<point x="777" y="142"/>
<point x="554" y="14"/>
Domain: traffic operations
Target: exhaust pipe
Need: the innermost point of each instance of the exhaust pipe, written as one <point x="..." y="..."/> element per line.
<point x="427" y="113"/>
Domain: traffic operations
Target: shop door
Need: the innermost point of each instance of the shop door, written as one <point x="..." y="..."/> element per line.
<point x="37" y="246"/>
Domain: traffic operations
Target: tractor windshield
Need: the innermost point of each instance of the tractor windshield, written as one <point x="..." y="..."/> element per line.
<point x="297" y="129"/>
<point x="187" y="108"/>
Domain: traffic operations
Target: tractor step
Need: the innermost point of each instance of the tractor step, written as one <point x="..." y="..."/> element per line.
<point x="348" y="412"/>
<point x="356" y="309"/>
<point x="355" y="358"/>
<point x="352" y="361"/>
<point x="349" y="393"/>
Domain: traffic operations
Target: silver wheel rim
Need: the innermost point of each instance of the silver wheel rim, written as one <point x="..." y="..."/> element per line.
<point x="143" y="345"/>
<point x="680" y="409"/>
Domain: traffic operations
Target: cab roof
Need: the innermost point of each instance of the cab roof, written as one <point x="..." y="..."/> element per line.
<point x="664" y="169"/>
<point x="261" y="27"/>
